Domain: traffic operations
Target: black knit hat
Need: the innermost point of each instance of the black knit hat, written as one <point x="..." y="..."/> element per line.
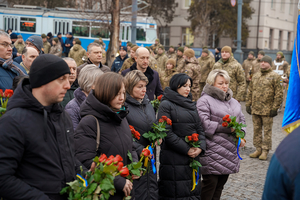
<point x="46" y="68"/>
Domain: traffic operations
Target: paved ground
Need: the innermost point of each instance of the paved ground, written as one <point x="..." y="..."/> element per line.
<point x="249" y="182"/>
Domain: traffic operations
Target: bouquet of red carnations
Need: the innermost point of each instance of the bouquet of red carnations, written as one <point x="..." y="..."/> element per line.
<point x="4" y="96"/>
<point x="155" y="103"/>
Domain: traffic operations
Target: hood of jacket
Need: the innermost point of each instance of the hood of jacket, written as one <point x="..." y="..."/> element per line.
<point x="133" y="101"/>
<point x="92" y="106"/>
<point x="79" y="95"/>
<point x="178" y="99"/>
<point x="77" y="47"/>
<point x="192" y="60"/>
<point x="217" y="93"/>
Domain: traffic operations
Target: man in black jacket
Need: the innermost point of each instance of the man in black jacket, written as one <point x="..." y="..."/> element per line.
<point x="36" y="137"/>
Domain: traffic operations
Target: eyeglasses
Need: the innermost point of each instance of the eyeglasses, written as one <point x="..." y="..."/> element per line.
<point x="6" y="45"/>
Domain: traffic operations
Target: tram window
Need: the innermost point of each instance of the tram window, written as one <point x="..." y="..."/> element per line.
<point x="140" y="34"/>
<point x="64" y="25"/>
<point x="151" y="35"/>
<point x="55" y="28"/>
<point x="127" y="33"/>
<point x="67" y="28"/>
<point x="100" y="32"/>
<point x="16" y="25"/>
<point x="59" y="25"/>
<point x="80" y="29"/>
<point x="28" y="24"/>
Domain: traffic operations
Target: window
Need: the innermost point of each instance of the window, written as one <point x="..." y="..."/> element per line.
<point x="28" y="24"/>
<point x="291" y="7"/>
<point x="186" y="4"/>
<point x="99" y="30"/>
<point x="10" y="22"/>
<point x="273" y="4"/>
<point x="81" y="28"/>
<point x="280" y="40"/>
<point x="187" y="37"/>
<point x="288" y="41"/>
<point x="164" y="35"/>
<point x="140" y="34"/>
<point x="282" y="5"/>
<point x="61" y="26"/>
<point x="271" y="39"/>
<point x="151" y="34"/>
<point x="127" y="33"/>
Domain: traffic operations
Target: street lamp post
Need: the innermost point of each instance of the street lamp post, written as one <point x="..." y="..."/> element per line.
<point x="133" y="21"/>
<point x="238" y="54"/>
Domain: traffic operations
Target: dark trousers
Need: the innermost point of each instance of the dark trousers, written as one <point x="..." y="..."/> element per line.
<point x="212" y="186"/>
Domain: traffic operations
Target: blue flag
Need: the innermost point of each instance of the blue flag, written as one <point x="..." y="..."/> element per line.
<point x="291" y="119"/>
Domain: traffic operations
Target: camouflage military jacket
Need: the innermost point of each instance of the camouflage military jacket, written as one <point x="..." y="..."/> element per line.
<point x="256" y="66"/>
<point x="166" y="77"/>
<point x="78" y="53"/>
<point x="103" y="60"/>
<point x="171" y="55"/>
<point x="155" y="47"/>
<point x="284" y="66"/>
<point x="19" y="47"/>
<point x="206" y="64"/>
<point x="248" y="66"/>
<point x="180" y="63"/>
<point x="47" y="47"/>
<point x="127" y="64"/>
<point x="265" y="92"/>
<point x="56" y="50"/>
<point x="237" y="76"/>
<point x="153" y="63"/>
<point x="161" y="61"/>
<point x="192" y="69"/>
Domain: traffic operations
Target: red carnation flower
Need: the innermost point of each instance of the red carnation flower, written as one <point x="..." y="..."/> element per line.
<point x="159" y="97"/>
<point x="161" y="120"/>
<point x="120" y="166"/>
<point x="195" y="137"/>
<point x="8" y="93"/>
<point x="1" y="93"/>
<point x="164" y="118"/>
<point x="145" y="152"/>
<point x="190" y="138"/>
<point x="117" y="159"/>
<point x="124" y="172"/>
<point x="169" y="122"/>
<point x="224" y="119"/>
<point x="228" y="120"/>
<point x="224" y="124"/>
<point x="102" y="158"/>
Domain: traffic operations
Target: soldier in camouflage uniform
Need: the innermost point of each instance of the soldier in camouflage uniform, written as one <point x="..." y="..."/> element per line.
<point x="56" y="48"/>
<point x="168" y="73"/>
<point x="256" y="63"/>
<point x="77" y="52"/>
<point x="180" y="61"/>
<point x="20" y="44"/>
<point x="46" y="44"/>
<point x="155" y="46"/>
<point x="152" y="60"/>
<point x="129" y="61"/>
<point x="248" y="66"/>
<point x="192" y="69"/>
<point x="233" y="67"/>
<point x="263" y="100"/>
<point x="171" y="53"/>
<point x="161" y="59"/>
<point x="282" y="65"/>
<point x="129" y="46"/>
<point x="206" y="63"/>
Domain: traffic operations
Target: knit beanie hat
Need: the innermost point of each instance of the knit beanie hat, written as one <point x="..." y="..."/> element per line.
<point x="13" y="36"/>
<point x="189" y="53"/>
<point x="205" y="51"/>
<point x="134" y="48"/>
<point x="44" y="35"/>
<point x="267" y="59"/>
<point x="157" y="40"/>
<point x="280" y="53"/>
<point x="171" y="47"/>
<point x="171" y="61"/>
<point x="46" y="68"/>
<point x="188" y="46"/>
<point x="227" y="49"/>
<point x="161" y="47"/>
<point x="55" y="40"/>
<point x="251" y="52"/>
<point x="36" y="41"/>
<point x="180" y="49"/>
<point x="261" y="53"/>
<point x="20" y="36"/>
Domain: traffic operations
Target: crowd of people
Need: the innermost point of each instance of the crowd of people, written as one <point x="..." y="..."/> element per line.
<point x="60" y="106"/>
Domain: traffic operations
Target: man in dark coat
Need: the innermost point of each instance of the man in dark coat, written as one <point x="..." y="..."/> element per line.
<point x="59" y="36"/>
<point x="142" y="64"/>
<point x="218" y="54"/>
<point x="94" y="54"/>
<point x="36" y="138"/>
<point x="49" y="37"/>
<point x="118" y="62"/>
<point x="14" y="37"/>
<point x="68" y="43"/>
<point x="8" y="69"/>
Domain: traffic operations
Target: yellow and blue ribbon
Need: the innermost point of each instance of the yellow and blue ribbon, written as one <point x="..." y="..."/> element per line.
<point x="237" y="149"/>
<point x="85" y="183"/>
<point x="152" y="160"/>
<point x="196" y="177"/>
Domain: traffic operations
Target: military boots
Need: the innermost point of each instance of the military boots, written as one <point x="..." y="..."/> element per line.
<point x="256" y="154"/>
<point x="264" y="155"/>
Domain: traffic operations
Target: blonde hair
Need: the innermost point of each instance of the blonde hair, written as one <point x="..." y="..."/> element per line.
<point x="132" y="78"/>
<point x="214" y="74"/>
<point x="88" y="76"/>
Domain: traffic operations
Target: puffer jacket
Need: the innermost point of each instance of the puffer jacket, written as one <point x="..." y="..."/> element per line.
<point x="73" y="107"/>
<point x="115" y="137"/>
<point x="174" y="172"/>
<point x="77" y="53"/>
<point x="142" y="116"/>
<point x="221" y="154"/>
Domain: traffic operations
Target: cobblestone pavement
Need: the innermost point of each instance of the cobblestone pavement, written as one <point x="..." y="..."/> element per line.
<point x="249" y="182"/>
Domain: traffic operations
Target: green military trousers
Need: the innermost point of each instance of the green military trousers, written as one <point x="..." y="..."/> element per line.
<point x="259" y="122"/>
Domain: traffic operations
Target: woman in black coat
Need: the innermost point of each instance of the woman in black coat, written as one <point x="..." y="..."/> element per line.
<point x="141" y="116"/>
<point x="175" y="173"/>
<point x="106" y="103"/>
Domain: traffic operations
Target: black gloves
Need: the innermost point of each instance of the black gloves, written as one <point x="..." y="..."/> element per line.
<point x="273" y="113"/>
<point x="248" y="109"/>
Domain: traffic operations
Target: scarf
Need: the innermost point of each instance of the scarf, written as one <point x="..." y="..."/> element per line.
<point x="9" y="65"/>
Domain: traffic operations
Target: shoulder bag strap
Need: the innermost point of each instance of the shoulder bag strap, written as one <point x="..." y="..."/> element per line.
<point x="98" y="132"/>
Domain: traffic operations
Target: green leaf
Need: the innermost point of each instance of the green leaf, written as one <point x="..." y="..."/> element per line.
<point x="96" y="160"/>
<point x="109" y="169"/>
<point x="136" y="165"/>
<point x="98" y="190"/>
<point x="91" y="188"/>
<point x="95" y="197"/>
<point x="106" y="185"/>
<point x="136" y="172"/>
<point x="64" y="190"/>
<point x="146" y="135"/>
<point x="74" y="185"/>
<point x="97" y="177"/>
<point x="129" y="156"/>
<point x="77" y="196"/>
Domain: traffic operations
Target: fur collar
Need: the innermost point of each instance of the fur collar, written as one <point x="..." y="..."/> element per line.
<point x="217" y="93"/>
